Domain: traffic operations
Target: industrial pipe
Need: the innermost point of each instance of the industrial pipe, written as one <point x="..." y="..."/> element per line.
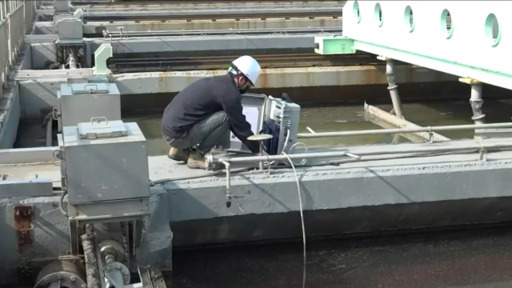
<point x="269" y="158"/>
<point x="402" y="130"/>
<point x="476" y="103"/>
<point x="228" y="183"/>
<point x="443" y="147"/>
<point x="393" y="87"/>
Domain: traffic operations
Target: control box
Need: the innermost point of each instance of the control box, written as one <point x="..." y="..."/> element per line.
<point x="104" y="161"/>
<point x="80" y="102"/>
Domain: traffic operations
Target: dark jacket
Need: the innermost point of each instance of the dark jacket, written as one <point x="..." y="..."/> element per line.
<point x="200" y="100"/>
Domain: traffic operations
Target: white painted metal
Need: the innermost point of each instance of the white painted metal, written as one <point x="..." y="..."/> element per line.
<point x="467" y="48"/>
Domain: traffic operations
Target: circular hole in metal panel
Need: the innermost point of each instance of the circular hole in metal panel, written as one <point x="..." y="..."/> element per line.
<point x="409" y="18"/>
<point x="492" y="30"/>
<point x="356" y="12"/>
<point x="377" y="12"/>
<point x="446" y="23"/>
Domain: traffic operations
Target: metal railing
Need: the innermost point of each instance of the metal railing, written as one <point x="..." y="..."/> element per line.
<point x="404" y="130"/>
<point x="16" y="18"/>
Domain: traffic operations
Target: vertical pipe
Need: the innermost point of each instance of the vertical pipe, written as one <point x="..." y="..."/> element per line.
<point x="476" y="101"/>
<point x="393" y="87"/>
<point x="228" y="183"/>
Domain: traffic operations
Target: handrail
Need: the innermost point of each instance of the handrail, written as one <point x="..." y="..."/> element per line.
<point x="403" y="130"/>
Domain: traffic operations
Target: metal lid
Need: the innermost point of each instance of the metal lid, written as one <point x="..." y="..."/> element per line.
<point x="89" y="88"/>
<point x="100" y="127"/>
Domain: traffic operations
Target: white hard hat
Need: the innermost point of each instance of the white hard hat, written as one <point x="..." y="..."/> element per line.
<point x="249" y="67"/>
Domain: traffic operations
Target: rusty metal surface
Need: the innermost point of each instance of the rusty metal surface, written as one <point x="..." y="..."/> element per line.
<point x="23" y="216"/>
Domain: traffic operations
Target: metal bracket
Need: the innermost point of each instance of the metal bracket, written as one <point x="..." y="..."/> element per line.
<point x="482" y="151"/>
<point x="55" y="113"/>
<point x="57" y="154"/>
<point x="101" y="55"/>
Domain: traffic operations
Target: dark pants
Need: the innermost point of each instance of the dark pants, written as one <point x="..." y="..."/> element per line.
<point x="208" y="133"/>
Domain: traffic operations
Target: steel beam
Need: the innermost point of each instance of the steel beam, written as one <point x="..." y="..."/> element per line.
<point x="473" y="45"/>
<point x="177" y="44"/>
<point x="207" y="43"/>
<point x="97" y="28"/>
<point x="259" y="11"/>
<point x="184" y="5"/>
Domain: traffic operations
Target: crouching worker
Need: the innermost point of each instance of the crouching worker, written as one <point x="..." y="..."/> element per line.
<point x="202" y="115"/>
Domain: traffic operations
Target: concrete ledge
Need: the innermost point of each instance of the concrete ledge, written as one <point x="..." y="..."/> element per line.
<point x="169" y="82"/>
<point x="27" y="155"/>
<point x="28" y="188"/>
<point x="366" y="196"/>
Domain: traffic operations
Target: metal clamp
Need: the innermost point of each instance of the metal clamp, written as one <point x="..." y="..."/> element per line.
<point x="106" y="125"/>
<point x="430" y="135"/>
<point x="482" y="151"/>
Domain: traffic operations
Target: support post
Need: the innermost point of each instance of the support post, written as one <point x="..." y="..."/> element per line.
<point x="392" y="86"/>
<point x="476" y="101"/>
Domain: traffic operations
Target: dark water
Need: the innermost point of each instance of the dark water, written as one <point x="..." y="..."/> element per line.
<point x="465" y="258"/>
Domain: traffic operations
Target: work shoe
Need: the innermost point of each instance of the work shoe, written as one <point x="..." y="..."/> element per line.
<point x="196" y="160"/>
<point x="178" y="154"/>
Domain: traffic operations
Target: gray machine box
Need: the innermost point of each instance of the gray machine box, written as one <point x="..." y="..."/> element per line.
<point x="105" y="161"/>
<point x="287" y="116"/>
<point x="61" y="6"/>
<point x="254" y="110"/>
<point x="80" y="102"/>
<point x="70" y="30"/>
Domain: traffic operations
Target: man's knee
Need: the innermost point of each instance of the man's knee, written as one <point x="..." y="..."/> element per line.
<point x="221" y="117"/>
